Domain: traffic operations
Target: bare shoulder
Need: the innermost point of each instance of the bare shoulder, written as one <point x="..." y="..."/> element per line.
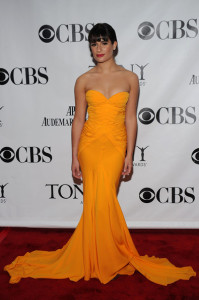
<point x="82" y="80"/>
<point x="133" y="80"/>
<point x="131" y="76"/>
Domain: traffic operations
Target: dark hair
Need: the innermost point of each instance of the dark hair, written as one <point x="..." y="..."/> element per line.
<point x="104" y="31"/>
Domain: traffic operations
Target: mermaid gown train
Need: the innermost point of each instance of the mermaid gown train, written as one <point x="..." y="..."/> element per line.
<point x="101" y="245"/>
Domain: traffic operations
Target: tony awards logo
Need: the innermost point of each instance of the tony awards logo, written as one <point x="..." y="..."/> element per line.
<point x="2" y="193"/>
<point x="142" y="161"/>
<point x="1" y="123"/>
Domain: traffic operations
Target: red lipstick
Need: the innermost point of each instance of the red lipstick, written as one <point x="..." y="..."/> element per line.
<point x="100" y="55"/>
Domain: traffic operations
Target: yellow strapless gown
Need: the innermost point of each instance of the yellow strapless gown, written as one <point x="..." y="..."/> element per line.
<point x="101" y="245"/>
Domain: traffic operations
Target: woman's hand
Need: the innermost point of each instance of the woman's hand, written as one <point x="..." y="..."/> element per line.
<point x="128" y="166"/>
<point x="75" y="168"/>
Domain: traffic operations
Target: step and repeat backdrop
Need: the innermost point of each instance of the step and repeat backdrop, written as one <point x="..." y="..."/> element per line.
<point x="43" y="49"/>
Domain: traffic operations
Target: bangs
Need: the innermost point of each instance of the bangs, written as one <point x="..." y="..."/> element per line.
<point x="98" y="33"/>
<point x="98" y="38"/>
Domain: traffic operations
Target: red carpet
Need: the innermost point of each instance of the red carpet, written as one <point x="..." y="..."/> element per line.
<point x="180" y="246"/>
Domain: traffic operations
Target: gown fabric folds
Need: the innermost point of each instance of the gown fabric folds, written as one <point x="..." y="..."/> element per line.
<point x="101" y="245"/>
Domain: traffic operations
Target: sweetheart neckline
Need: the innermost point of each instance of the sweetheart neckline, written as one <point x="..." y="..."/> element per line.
<point x="104" y="95"/>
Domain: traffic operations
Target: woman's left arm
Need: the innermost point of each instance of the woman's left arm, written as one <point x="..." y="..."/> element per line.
<point x="131" y="122"/>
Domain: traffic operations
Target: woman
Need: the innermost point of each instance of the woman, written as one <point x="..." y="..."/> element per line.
<point x="102" y="148"/>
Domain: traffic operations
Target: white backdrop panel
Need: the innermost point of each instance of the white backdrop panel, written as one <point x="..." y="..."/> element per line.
<point x="37" y="78"/>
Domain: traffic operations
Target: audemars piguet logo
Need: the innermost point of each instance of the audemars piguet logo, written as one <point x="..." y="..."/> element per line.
<point x="194" y="80"/>
<point x="60" y="121"/>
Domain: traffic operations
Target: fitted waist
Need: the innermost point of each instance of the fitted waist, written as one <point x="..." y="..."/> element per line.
<point x="104" y="115"/>
<point x="92" y="128"/>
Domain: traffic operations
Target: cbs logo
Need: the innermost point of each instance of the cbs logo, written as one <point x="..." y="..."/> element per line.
<point x="168" y="195"/>
<point x="26" y="154"/>
<point x="24" y="75"/>
<point x="173" y="29"/>
<point x="195" y="156"/>
<point x="168" y="115"/>
<point x="65" y="33"/>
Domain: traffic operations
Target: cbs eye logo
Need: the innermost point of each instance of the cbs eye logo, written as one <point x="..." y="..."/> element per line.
<point x="146" y="30"/>
<point x="4" y="76"/>
<point x="195" y="156"/>
<point x="146" y="116"/>
<point x="46" y="33"/>
<point x="147" y="195"/>
<point x="7" y="154"/>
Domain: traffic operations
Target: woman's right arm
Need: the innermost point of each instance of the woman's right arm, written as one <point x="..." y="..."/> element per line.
<point x="78" y="123"/>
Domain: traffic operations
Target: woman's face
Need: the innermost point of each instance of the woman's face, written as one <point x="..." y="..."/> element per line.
<point x="102" y="50"/>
